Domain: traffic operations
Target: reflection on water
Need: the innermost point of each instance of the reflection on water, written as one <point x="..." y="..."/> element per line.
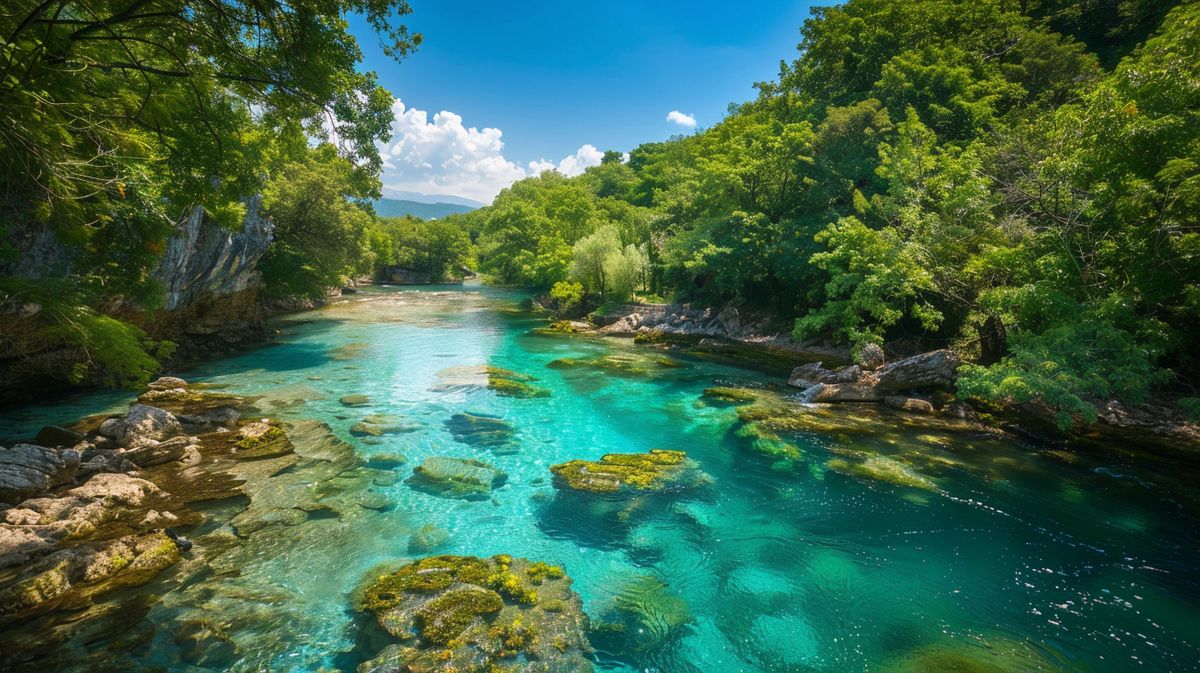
<point x="876" y="546"/>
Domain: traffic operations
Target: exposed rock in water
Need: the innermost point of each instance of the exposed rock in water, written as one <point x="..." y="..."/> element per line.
<point x="475" y="615"/>
<point x="910" y="404"/>
<point x="27" y="469"/>
<point x="479" y="430"/>
<point x="54" y="436"/>
<point x="657" y="471"/>
<point x="927" y="371"/>
<point x="355" y="400"/>
<point x="376" y="425"/>
<point x="457" y="478"/>
<point x="142" y="423"/>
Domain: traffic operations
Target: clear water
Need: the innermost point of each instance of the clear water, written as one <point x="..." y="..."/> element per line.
<point x="1018" y="559"/>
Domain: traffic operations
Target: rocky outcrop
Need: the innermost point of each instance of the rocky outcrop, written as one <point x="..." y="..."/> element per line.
<point x="26" y="470"/>
<point x="205" y="260"/>
<point x="727" y="332"/>
<point x="928" y="371"/>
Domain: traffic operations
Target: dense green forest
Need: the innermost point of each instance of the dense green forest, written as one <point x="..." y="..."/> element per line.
<point x="1017" y="178"/>
<point x="1020" y="180"/>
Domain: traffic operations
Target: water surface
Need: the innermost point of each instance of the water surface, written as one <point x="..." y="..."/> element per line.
<point x="1016" y="557"/>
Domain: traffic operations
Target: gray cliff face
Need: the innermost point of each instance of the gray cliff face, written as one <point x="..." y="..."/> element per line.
<point x="204" y="261"/>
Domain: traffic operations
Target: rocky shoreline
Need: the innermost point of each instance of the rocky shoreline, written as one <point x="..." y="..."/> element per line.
<point x="922" y="384"/>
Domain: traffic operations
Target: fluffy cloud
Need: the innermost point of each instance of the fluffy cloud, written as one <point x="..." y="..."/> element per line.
<point x="677" y="117"/>
<point x="443" y="156"/>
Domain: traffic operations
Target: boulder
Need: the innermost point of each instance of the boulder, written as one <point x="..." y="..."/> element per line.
<point x="457" y="478"/>
<point x="473" y="615"/>
<point x="871" y="357"/>
<point x="355" y="400"/>
<point x="859" y="391"/>
<point x="27" y="469"/>
<point x="143" y="422"/>
<point x="479" y="429"/>
<point x="376" y="425"/>
<point x="935" y="369"/>
<point x="167" y="383"/>
<point x="150" y="453"/>
<point x="53" y="435"/>
<point x="910" y="404"/>
<point x="630" y="473"/>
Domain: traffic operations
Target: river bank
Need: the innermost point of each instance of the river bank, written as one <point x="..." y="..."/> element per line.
<point x="923" y="382"/>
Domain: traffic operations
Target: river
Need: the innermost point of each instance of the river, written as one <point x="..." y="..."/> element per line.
<point x="1007" y="556"/>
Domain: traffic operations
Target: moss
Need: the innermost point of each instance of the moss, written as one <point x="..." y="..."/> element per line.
<point x="881" y="468"/>
<point x="428" y="575"/>
<point x="553" y="605"/>
<point x="519" y="389"/>
<point x="444" y="618"/>
<point x="563" y="326"/>
<point x="513" y="638"/>
<point x="272" y="435"/>
<point x="616" y="471"/>
<point x="620" y="365"/>
<point x="649" y="336"/>
<point x="540" y="571"/>
<point x="730" y="395"/>
<point x="764" y="441"/>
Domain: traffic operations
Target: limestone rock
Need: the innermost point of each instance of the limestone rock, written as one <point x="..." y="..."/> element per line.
<point x="376" y="425"/>
<point x="143" y="422"/>
<point x="935" y="369"/>
<point x="27" y="469"/>
<point x="149" y="453"/>
<point x="167" y="383"/>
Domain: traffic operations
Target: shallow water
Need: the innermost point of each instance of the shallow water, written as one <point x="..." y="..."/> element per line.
<point x="1013" y="557"/>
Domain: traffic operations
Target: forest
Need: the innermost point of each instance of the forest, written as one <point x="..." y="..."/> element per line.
<point x="1019" y="180"/>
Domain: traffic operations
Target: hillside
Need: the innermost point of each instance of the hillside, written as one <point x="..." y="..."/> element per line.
<point x="427" y="211"/>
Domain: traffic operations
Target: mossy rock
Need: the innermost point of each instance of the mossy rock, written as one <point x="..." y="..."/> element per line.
<point x="461" y="478"/>
<point x="262" y="439"/>
<point x="874" y="467"/>
<point x="731" y="395"/>
<point x="629" y="473"/>
<point x="477" y="615"/>
<point x="511" y="384"/>
<point x="479" y="430"/>
<point x="999" y="656"/>
<point x="760" y="439"/>
<point x="635" y="366"/>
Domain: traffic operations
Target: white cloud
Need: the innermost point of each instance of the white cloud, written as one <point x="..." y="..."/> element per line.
<point x="677" y="117"/>
<point x="445" y="157"/>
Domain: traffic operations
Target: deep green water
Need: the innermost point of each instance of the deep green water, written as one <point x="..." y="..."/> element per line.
<point x="1018" y="558"/>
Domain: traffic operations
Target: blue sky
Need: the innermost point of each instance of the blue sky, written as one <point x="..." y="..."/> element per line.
<point x="532" y="85"/>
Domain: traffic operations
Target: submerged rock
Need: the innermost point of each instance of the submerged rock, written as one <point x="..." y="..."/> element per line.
<point x="262" y="439"/>
<point x="644" y="615"/>
<point x="475" y="615"/>
<point x="875" y="467"/>
<point x="479" y="430"/>
<point x="457" y="478"/>
<point x="511" y="384"/>
<point x="428" y="538"/>
<point x="377" y="425"/>
<point x="638" y="366"/>
<point x="355" y="400"/>
<point x="631" y="473"/>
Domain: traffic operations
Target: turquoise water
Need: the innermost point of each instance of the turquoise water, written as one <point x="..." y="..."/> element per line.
<point x="1017" y="558"/>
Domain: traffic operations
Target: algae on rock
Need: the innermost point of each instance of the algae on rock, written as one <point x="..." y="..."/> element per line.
<point x="477" y="615"/>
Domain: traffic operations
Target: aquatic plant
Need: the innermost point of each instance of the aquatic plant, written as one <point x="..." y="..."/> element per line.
<point x="508" y="383"/>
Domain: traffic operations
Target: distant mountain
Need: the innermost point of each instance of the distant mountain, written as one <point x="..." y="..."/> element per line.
<point x="430" y="198"/>
<point x="387" y="207"/>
